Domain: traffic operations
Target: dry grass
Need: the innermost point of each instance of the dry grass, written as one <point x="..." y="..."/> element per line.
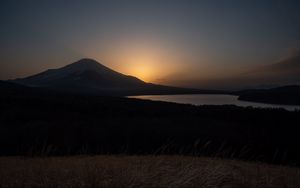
<point x="142" y="171"/>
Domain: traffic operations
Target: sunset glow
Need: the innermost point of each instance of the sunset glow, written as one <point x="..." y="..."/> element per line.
<point x="143" y="72"/>
<point x="180" y="43"/>
<point x="147" y="93"/>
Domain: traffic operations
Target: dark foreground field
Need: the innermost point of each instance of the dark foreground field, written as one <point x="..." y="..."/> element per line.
<point x="143" y="171"/>
<point x="137" y="143"/>
<point x="35" y="122"/>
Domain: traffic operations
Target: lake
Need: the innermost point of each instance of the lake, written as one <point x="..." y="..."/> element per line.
<point x="211" y="99"/>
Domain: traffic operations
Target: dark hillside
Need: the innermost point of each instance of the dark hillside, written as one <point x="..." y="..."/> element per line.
<point x="49" y="123"/>
<point x="289" y="95"/>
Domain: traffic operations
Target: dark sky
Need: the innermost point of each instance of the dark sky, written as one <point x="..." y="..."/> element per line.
<point x="155" y="40"/>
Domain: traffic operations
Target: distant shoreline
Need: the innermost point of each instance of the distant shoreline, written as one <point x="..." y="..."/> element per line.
<point x="212" y="99"/>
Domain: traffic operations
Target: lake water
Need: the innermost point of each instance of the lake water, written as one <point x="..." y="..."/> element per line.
<point x="211" y="99"/>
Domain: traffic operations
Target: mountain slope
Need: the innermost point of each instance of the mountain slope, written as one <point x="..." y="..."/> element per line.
<point x="284" y="72"/>
<point x="89" y="76"/>
<point x="281" y="73"/>
<point x="81" y="73"/>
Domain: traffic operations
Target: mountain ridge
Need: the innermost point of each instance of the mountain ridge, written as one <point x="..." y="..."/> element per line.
<point x="78" y="70"/>
<point x="89" y="76"/>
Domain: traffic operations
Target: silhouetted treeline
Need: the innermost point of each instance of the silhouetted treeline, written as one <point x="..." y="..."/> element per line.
<point x="289" y="95"/>
<point x="36" y="122"/>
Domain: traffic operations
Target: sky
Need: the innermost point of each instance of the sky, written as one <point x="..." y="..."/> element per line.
<point x="159" y="41"/>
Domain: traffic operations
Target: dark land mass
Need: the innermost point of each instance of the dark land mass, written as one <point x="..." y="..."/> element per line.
<point x="36" y="121"/>
<point x="289" y="95"/>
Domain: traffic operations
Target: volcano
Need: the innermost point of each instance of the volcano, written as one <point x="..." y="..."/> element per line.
<point x="89" y="76"/>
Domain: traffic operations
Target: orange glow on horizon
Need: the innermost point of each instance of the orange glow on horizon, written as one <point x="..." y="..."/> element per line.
<point x="147" y="59"/>
<point x="143" y="72"/>
<point x="142" y="66"/>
